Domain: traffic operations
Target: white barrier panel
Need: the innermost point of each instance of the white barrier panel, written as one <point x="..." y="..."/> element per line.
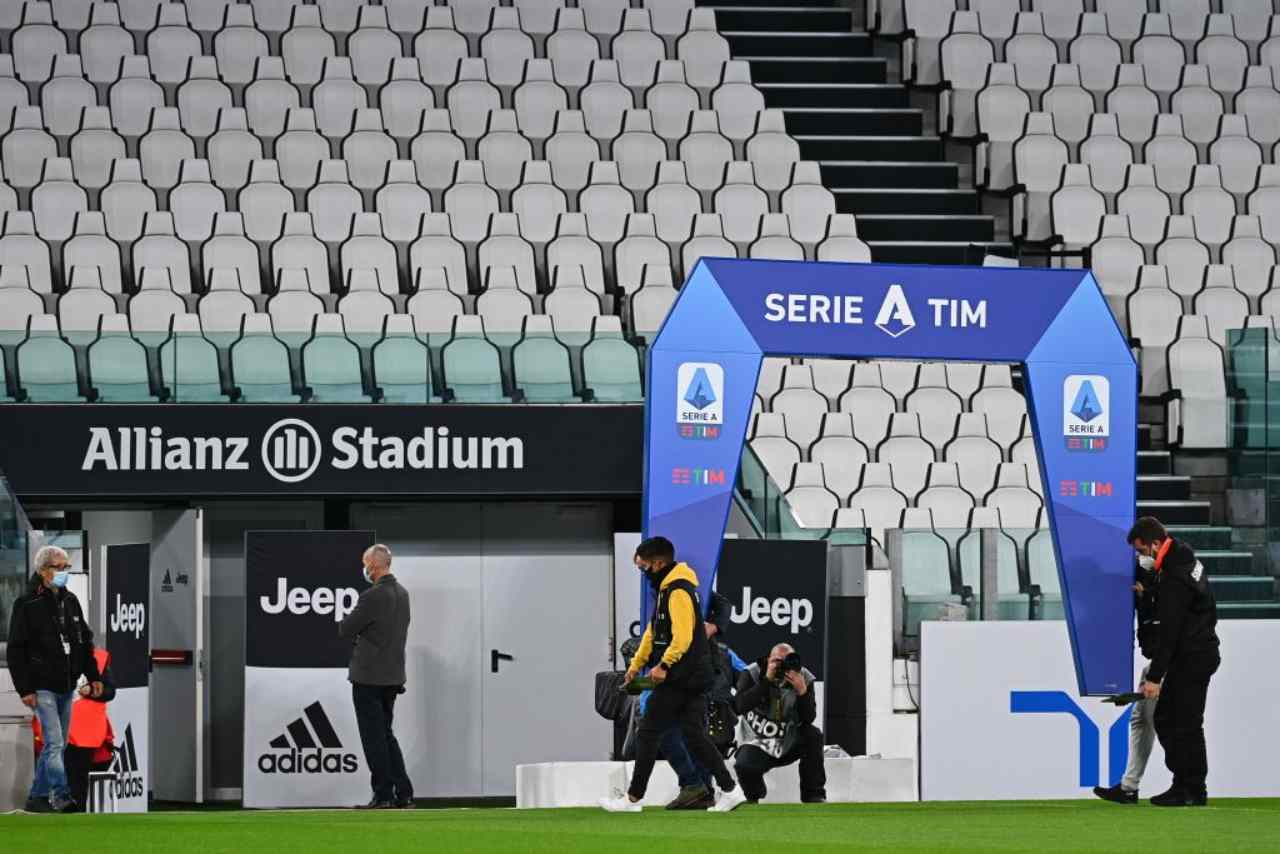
<point x="1001" y="719"/>
<point x="582" y="784"/>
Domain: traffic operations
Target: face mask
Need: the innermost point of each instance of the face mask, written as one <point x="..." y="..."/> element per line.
<point x="1147" y="562"/>
<point x="60" y="579"/>
<point x="364" y="570"/>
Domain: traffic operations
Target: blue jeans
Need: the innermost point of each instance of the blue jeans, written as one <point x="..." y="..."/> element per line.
<point x="687" y="769"/>
<point x="54" y="712"/>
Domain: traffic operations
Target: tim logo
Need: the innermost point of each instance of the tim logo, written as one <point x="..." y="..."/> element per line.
<point x="1085" y="488"/>
<point x="309" y="745"/>
<point x="291" y="450"/>
<point x="1086" y="412"/>
<point x="697" y="477"/>
<point x="129" y="772"/>
<point x="1089" y="748"/>
<point x="699" y="400"/>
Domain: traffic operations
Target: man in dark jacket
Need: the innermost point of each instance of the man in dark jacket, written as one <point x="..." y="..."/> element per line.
<point x="379" y="628"/>
<point x="1186" y="658"/>
<point x="50" y="648"/>
<point x="778" y="709"/>
<point x="1142" y="726"/>
<point x="675" y="647"/>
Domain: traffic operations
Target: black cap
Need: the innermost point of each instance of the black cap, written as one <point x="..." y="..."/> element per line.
<point x="718" y="612"/>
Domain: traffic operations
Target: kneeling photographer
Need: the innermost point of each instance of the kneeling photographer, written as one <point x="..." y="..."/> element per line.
<point x="777" y="707"/>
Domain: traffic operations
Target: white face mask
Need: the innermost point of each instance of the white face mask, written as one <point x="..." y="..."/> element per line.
<point x="1147" y="562"/>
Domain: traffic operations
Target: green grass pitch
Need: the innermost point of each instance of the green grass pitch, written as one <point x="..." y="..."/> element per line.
<point x="1233" y="826"/>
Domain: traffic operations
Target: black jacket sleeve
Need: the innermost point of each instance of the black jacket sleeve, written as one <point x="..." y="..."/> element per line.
<point x="108" y="680"/>
<point x="367" y="609"/>
<point x="17" y="649"/>
<point x="88" y="665"/>
<point x="807" y="706"/>
<point x="751" y="694"/>
<point x="1173" y="604"/>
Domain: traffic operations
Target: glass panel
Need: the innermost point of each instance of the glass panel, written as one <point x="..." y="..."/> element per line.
<point x="14" y="532"/>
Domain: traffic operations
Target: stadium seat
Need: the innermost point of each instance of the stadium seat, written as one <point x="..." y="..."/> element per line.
<point x="189" y="368"/>
<point x="46" y="364"/>
<point x="541" y="363"/>
<point x="611" y="366"/>
<point x="401" y="364"/>
<point x="472" y="368"/>
<point x="260" y="364"/>
<point x="331" y="363"/>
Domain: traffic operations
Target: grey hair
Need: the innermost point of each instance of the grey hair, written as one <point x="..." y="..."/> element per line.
<point x="46" y="554"/>
<point x="380" y="555"/>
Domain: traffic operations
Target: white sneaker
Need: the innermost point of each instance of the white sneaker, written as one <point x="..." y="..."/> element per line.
<point x="622" y="803"/>
<point x="729" y="801"/>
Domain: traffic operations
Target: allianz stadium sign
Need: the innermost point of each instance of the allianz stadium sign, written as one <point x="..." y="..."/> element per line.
<point x="92" y="450"/>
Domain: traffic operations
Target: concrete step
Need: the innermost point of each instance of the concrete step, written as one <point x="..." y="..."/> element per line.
<point x="779" y="16"/>
<point x="1154" y="463"/>
<point x="877" y="174"/>
<point x="939" y="228"/>
<point x="1243" y="588"/>
<point x="870" y="95"/>
<point x="775" y="43"/>
<point x="907" y="201"/>
<point x="912" y="149"/>
<point x="1249" y="611"/>
<point x="854" y="121"/>
<point x="818" y="69"/>
<point x="1178" y="512"/>
<point x="1165" y="487"/>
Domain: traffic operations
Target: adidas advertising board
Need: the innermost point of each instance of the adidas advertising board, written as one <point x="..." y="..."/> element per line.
<point x="127" y="638"/>
<point x="292" y="450"/>
<point x="301" y="742"/>
<point x="772" y="606"/>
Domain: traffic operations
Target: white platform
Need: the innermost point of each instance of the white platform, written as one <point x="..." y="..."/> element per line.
<point x="582" y="784"/>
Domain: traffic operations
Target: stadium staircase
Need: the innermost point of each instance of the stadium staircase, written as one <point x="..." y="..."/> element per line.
<point x="878" y="155"/>
<point x="882" y="160"/>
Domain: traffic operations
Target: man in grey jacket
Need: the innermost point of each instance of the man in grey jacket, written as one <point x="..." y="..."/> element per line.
<point x="777" y="706"/>
<point x="379" y="628"/>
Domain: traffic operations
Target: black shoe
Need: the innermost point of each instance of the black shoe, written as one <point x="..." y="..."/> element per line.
<point x="813" y="799"/>
<point x="406" y="804"/>
<point x="693" y="798"/>
<point x="376" y="804"/>
<point x="62" y="805"/>
<point x="1176" y="797"/>
<point x="40" y="805"/>
<point x="1116" y="794"/>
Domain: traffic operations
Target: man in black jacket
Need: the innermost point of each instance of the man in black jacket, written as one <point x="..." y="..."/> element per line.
<point x="1142" y="726"/>
<point x="1186" y="658"/>
<point x="778" y="709"/>
<point x="379" y="628"/>
<point x="50" y="648"/>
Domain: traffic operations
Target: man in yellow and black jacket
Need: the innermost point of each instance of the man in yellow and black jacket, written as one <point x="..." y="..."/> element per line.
<point x="675" y="647"/>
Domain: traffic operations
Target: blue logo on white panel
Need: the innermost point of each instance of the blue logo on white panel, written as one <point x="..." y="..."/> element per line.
<point x="1089" y="743"/>
<point x="699" y="400"/>
<point x="1086" y="412"/>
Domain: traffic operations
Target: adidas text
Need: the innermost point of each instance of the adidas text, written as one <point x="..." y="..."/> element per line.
<point x="299" y="762"/>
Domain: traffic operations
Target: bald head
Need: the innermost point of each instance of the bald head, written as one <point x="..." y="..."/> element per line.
<point x="781" y="651"/>
<point x="377" y="561"/>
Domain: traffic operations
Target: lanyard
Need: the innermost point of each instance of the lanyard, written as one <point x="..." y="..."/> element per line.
<point x="1164" y="550"/>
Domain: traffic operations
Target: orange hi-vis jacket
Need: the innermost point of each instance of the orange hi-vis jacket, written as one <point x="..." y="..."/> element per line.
<point x="90" y="726"/>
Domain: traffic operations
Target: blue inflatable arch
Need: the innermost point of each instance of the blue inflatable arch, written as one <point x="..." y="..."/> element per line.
<point x="1081" y="379"/>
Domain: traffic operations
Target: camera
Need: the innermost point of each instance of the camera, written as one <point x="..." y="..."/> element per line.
<point x="790" y="664"/>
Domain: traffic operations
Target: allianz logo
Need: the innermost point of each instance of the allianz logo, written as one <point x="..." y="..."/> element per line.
<point x="291" y="450"/>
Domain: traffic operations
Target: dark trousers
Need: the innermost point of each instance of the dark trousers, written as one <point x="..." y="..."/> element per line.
<point x="672" y="706"/>
<point x="1179" y="721"/>
<point x="687" y="769"/>
<point x="79" y="762"/>
<point x="751" y="762"/>
<point x="375" y="711"/>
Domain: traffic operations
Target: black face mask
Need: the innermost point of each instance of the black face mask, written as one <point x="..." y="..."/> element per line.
<point x="656" y="578"/>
